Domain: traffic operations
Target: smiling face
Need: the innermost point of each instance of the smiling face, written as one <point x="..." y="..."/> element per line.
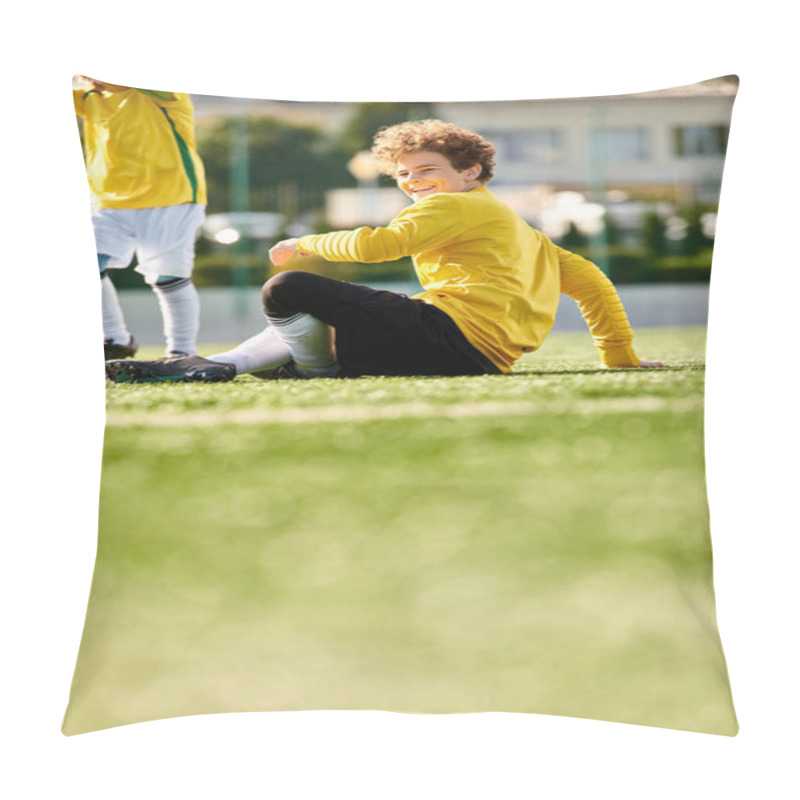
<point x="422" y="174"/>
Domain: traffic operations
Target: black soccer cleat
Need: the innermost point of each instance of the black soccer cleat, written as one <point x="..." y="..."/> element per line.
<point x="288" y="371"/>
<point x="116" y="350"/>
<point x="283" y="372"/>
<point x="183" y="369"/>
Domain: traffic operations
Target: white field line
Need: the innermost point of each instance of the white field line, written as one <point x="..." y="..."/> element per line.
<point x="360" y="413"/>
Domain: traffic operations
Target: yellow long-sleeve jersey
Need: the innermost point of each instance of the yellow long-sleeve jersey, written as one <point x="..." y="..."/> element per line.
<point x="140" y="148"/>
<point x="601" y="308"/>
<point x="498" y="279"/>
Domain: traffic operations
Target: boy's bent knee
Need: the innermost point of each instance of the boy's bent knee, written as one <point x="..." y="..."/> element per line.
<point x="279" y="293"/>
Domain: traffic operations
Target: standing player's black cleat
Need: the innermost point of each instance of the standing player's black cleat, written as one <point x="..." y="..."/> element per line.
<point x="117" y="350"/>
<point x="183" y="369"/>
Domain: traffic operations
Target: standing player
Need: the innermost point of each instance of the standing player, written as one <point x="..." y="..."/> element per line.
<point x="148" y="194"/>
<point x="491" y="284"/>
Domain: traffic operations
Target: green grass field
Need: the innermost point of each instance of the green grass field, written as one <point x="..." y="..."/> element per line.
<point x="535" y="542"/>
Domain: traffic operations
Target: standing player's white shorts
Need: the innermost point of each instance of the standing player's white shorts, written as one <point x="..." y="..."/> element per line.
<point x="162" y="238"/>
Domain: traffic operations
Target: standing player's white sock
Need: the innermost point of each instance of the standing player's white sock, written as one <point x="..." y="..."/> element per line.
<point x="180" y="310"/>
<point x="265" y="350"/>
<point x="310" y="343"/>
<point x="114" y="328"/>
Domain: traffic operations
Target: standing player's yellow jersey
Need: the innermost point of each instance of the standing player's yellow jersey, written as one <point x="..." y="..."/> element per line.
<point x="140" y="148"/>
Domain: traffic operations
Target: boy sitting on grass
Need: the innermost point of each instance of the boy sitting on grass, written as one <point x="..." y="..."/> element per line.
<point x="491" y="284"/>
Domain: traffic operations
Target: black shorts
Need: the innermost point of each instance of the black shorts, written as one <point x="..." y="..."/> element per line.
<point x="378" y="332"/>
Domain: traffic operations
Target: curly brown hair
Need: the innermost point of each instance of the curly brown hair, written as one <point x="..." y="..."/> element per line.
<point x="462" y="148"/>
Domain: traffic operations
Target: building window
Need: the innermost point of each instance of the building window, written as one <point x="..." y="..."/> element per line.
<point x="619" y="145"/>
<point x="538" y="146"/>
<point x="701" y="140"/>
<point x="542" y="146"/>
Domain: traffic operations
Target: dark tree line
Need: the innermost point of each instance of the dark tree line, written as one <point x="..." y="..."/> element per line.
<point x="289" y="167"/>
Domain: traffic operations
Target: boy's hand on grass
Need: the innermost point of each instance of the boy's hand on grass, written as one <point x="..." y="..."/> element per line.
<point x="650" y="364"/>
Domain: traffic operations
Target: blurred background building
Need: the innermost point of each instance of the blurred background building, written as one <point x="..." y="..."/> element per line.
<point x="631" y="182"/>
<point x="666" y="145"/>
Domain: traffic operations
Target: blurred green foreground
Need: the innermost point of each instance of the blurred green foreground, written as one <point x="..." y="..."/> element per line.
<point x="528" y="543"/>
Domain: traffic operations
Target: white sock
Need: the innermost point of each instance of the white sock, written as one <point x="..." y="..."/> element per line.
<point x="265" y="350"/>
<point x="309" y="341"/>
<point x="114" y="328"/>
<point x="180" y="310"/>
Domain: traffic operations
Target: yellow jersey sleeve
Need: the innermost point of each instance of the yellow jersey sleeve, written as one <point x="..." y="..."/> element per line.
<point x="425" y="226"/>
<point x="600" y="307"/>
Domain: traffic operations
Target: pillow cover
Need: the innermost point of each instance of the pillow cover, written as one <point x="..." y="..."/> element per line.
<point x="534" y="542"/>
